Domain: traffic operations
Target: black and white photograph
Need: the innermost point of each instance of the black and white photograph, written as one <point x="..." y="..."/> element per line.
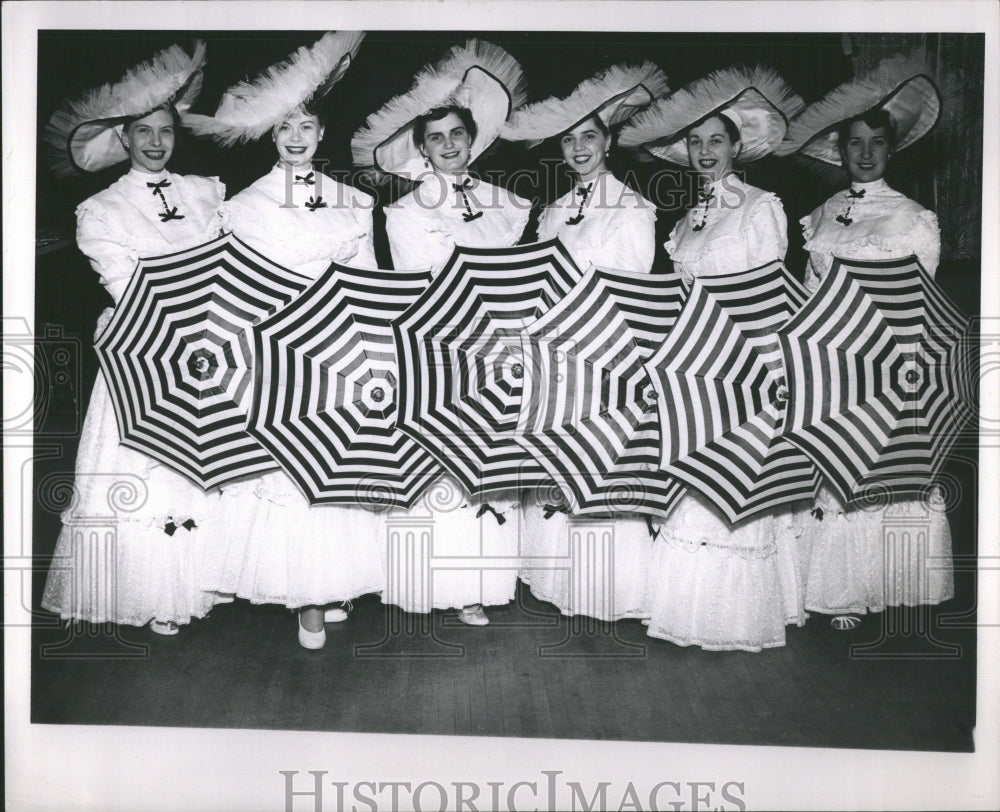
<point x="500" y="406"/>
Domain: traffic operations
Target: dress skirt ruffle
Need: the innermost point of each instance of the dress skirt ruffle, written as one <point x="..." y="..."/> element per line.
<point x="114" y="560"/>
<point x="865" y="559"/>
<point x="591" y="567"/>
<point x="722" y="588"/>
<point x="268" y="545"/>
<point x="447" y="552"/>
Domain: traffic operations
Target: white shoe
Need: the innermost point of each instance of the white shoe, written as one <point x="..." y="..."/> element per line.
<point x="167" y="629"/>
<point x="474" y="616"/>
<point x="335" y="614"/>
<point x="311" y="640"/>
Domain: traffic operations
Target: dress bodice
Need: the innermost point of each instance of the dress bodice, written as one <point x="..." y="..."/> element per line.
<point x="876" y="222"/>
<point x="425" y="226"/>
<point x="616" y="230"/>
<point x="738" y="227"/>
<point x="146" y="215"/>
<point x="303" y="220"/>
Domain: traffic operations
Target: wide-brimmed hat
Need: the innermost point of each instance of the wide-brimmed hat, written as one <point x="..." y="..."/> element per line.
<point x="250" y="109"/>
<point x="900" y="85"/>
<point x="757" y="100"/>
<point x="479" y="76"/>
<point x="614" y="95"/>
<point x="86" y="135"/>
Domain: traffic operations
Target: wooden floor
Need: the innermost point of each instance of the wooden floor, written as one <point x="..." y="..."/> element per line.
<point x="532" y="673"/>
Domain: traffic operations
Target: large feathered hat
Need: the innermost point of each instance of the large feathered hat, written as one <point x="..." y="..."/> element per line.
<point x="250" y="109"/>
<point x="757" y="100"/>
<point x="479" y="76"/>
<point x="900" y="85"/>
<point x="614" y="95"/>
<point x="86" y="135"/>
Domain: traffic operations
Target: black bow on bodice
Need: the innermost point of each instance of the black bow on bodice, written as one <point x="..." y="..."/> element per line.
<point x="852" y="195"/>
<point x="168" y="213"/>
<point x="468" y="215"/>
<point x="584" y="193"/>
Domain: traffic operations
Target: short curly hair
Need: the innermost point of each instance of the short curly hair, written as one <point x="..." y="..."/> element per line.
<point x="438" y="113"/>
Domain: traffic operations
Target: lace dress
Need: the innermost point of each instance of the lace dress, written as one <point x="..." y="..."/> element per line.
<point x="712" y="585"/>
<point x="126" y="553"/>
<point x="864" y="560"/>
<point x="594" y="567"/>
<point x="431" y="562"/>
<point x="268" y="544"/>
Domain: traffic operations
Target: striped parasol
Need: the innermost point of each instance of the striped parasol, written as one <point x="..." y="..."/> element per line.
<point x="327" y="395"/>
<point x="588" y="410"/>
<point x="178" y="357"/>
<point x="879" y="389"/>
<point x="721" y="394"/>
<point x="459" y="350"/>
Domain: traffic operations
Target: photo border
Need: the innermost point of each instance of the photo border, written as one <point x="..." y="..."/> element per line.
<point x="106" y="767"/>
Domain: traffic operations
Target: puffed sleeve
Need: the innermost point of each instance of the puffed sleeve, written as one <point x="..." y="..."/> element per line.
<point x="240" y="216"/>
<point x="548" y="223"/>
<point x="408" y="239"/>
<point x="926" y="238"/>
<point x="113" y="260"/>
<point x="636" y="239"/>
<point x="671" y="246"/>
<point x="813" y="275"/>
<point x="364" y="214"/>
<point x="518" y="211"/>
<point x="208" y="191"/>
<point x="768" y="230"/>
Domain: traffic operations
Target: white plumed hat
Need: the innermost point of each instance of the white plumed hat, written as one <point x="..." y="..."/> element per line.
<point x="756" y="99"/>
<point x="479" y="76"/>
<point x="250" y="109"/>
<point x="900" y="85"/>
<point x="614" y="95"/>
<point x="86" y="135"/>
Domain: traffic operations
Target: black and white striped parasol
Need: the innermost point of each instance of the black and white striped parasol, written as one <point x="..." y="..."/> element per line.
<point x="721" y="394"/>
<point x="588" y="410"/>
<point x="327" y="398"/>
<point x="178" y="357"/>
<point x="879" y="385"/>
<point x="460" y="354"/>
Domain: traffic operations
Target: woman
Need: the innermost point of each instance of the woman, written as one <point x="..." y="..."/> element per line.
<point x="601" y="222"/>
<point x="432" y="134"/>
<point x="270" y="545"/>
<point x="154" y="559"/>
<point x="716" y="586"/>
<point x="850" y="558"/>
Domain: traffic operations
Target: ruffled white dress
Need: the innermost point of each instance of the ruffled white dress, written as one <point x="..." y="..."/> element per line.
<point x="712" y="585"/>
<point x="897" y="555"/>
<point x="114" y="560"/>
<point x="594" y="567"/>
<point x="268" y="545"/>
<point x="446" y="553"/>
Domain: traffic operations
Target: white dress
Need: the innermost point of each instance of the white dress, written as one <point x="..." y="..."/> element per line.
<point x="712" y="585"/>
<point x="849" y="548"/>
<point x="584" y="566"/>
<point x="268" y="544"/>
<point x="114" y="560"/>
<point x="446" y="553"/>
